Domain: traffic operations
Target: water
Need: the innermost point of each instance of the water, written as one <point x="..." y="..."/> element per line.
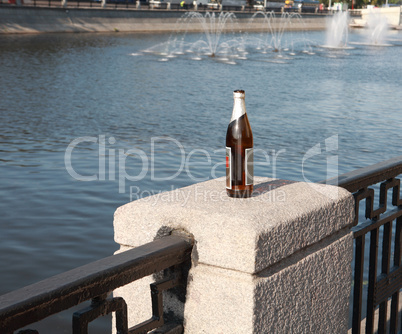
<point x="57" y="88"/>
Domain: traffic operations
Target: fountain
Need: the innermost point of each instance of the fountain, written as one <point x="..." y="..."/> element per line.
<point x="377" y="28"/>
<point x="337" y="31"/>
<point x="273" y="37"/>
<point x="219" y="39"/>
<point x="275" y="26"/>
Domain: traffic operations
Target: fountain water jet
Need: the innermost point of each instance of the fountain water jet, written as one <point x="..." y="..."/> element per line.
<point x="217" y="41"/>
<point x="337" y="31"/>
<point x="275" y="26"/>
<point x="221" y="40"/>
<point x="377" y="25"/>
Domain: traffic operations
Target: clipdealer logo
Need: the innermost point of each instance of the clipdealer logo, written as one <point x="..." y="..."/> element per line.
<point x="112" y="163"/>
<point x="199" y="194"/>
<point x="331" y="152"/>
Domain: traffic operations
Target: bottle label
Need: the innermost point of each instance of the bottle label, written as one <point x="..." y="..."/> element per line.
<point x="228" y="168"/>
<point x="249" y="166"/>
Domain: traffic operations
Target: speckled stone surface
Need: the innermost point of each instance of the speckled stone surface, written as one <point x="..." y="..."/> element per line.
<point x="242" y="234"/>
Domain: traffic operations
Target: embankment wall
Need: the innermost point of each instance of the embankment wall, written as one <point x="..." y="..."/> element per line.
<point x="14" y="19"/>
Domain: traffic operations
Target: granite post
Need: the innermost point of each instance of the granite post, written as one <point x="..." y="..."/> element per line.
<point x="278" y="262"/>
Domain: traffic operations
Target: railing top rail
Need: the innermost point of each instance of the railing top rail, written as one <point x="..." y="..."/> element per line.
<point x="68" y="289"/>
<point x="366" y="176"/>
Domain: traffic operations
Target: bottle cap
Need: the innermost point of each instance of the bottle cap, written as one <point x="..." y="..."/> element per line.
<point x="239" y="94"/>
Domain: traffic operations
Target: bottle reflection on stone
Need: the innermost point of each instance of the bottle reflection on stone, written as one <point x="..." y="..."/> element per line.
<point x="239" y="150"/>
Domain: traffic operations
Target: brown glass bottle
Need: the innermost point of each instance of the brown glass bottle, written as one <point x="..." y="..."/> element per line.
<point x="239" y="150"/>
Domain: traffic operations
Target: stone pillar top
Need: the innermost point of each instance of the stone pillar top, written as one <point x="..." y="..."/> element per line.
<point x="246" y="235"/>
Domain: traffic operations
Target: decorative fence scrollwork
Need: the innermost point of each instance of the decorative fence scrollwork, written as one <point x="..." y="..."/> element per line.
<point x="379" y="226"/>
<point x="95" y="282"/>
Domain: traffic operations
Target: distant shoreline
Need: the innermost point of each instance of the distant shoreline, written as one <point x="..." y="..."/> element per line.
<point x="34" y="20"/>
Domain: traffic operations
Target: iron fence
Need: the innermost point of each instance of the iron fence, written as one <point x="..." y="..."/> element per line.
<point x="144" y="5"/>
<point x="95" y="281"/>
<point x="95" y="4"/>
<point x="377" y="267"/>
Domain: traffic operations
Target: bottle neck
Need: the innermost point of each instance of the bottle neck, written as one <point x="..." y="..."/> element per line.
<point x="239" y="108"/>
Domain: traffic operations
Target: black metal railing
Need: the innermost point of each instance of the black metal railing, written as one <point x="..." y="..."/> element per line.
<point x="378" y="223"/>
<point x="95" y="281"/>
<point x="144" y="5"/>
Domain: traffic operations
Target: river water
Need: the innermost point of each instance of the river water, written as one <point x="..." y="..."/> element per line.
<point x="90" y="122"/>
